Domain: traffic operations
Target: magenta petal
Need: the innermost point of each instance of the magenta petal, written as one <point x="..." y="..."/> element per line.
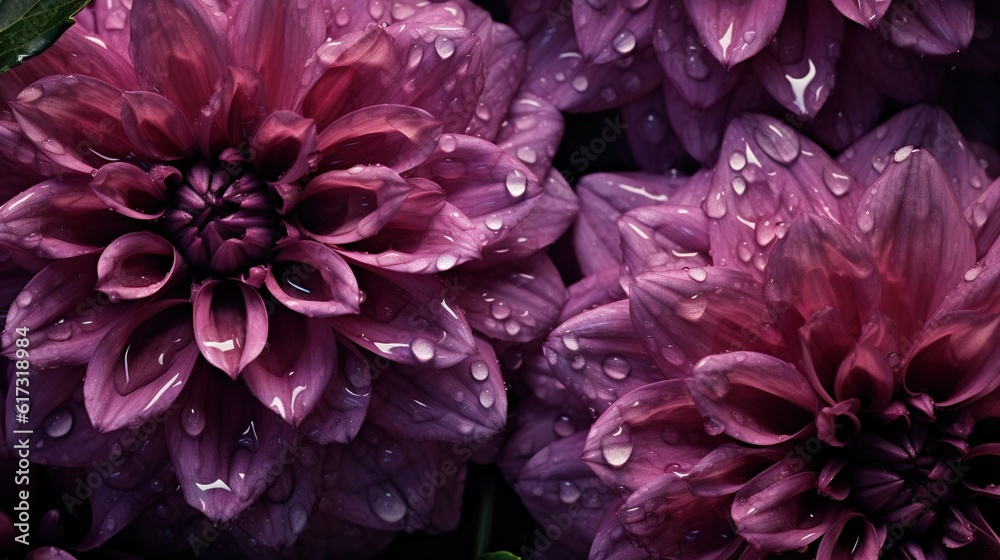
<point x="686" y="315"/>
<point x="503" y="63"/>
<point x="396" y="136"/>
<point x="60" y="218"/>
<point x="230" y="324"/>
<point x="109" y="22"/>
<point x="852" y="109"/>
<point x="129" y="191"/>
<point x="728" y="467"/>
<point x="343" y="406"/>
<point x="734" y="31"/>
<point x="613" y="540"/>
<point x="897" y="74"/>
<point x="242" y="107"/>
<point x="407" y="319"/>
<point x="274" y="39"/>
<point x="137" y="265"/>
<point x="156" y="126"/>
<point x="517" y="301"/>
<point x="865" y="374"/>
<point x="183" y="53"/>
<point x="609" y="33"/>
<point x="598" y="356"/>
<point x="312" y="279"/>
<point x="591" y="292"/>
<point x="292" y="375"/>
<point x="75" y="120"/>
<point x="461" y="403"/>
<point x="768" y="174"/>
<point x="74" y="319"/>
<point x="983" y="460"/>
<point x="346" y="206"/>
<point x="651" y="139"/>
<point x="633" y="445"/>
<point x="226" y="447"/>
<point x="933" y="28"/>
<point x="282" y="147"/>
<point x="984" y="220"/>
<point x="531" y="131"/>
<point x="665" y="236"/>
<point x="923" y="249"/>
<point x="799" y="69"/>
<point x="126" y="385"/>
<point x="863" y="12"/>
<point x="752" y="397"/>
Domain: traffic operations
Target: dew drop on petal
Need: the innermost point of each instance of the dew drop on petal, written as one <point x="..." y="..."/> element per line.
<point x="617" y="446"/>
<point x="739" y="184"/>
<point x="500" y="310"/>
<point x="517" y="182"/>
<point x="866" y="221"/>
<point x="423" y="349"/>
<point x="570" y="341"/>
<point x="778" y="141"/>
<point x="494" y="222"/>
<point x="837" y="183"/>
<point x="480" y="371"/>
<point x="444" y="46"/>
<point x="624" y="42"/>
<point x="737" y="160"/>
<point x="616" y="366"/>
<point x="973" y="272"/>
<point x="386" y="502"/>
<point x="563" y="426"/>
<point x="901" y="154"/>
<point x="448" y="143"/>
<point x="445" y="261"/>
<point x="58" y="423"/>
<point x="568" y="492"/>
<point x="580" y="84"/>
<point x="527" y="154"/>
<point x="698" y="274"/>
<point x="979" y="214"/>
<point x="713" y="426"/>
<point x="486" y="397"/>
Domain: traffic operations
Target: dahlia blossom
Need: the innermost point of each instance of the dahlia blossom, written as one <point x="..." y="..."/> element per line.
<point x="804" y="364"/>
<point x="681" y="71"/>
<point x="289" y="233"/>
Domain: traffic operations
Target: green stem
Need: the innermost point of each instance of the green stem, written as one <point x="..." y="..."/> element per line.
<point x="485" y="516"/>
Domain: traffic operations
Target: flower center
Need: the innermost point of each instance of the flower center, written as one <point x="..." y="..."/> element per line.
<point x="221" y="219"/>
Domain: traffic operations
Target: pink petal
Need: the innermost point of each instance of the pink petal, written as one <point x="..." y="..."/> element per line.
<point x="183" y="53"/>
<point x="137" y="265"/>
<point x="749" y="29"/>
<point x="598" y="356"/>
<point x="651" y="139"/>
<point x="230" y="324"/>
<point x="340" y="207"/>
<point x="825" y="341"/>
<point x="666" y="236"/>
<point x="312" y="279"/>
<point x="140" y="366"/>
<point x="799" y="68"/>
<point x="75" y="120"/>
<point x="156" y="126"/>
<point x="752" y="397"/>
<point x="768" y="174"/>
<point x="863" y="12"/>
<point x="407" y="319"/>
<point x="531" y="132"/>
<point x="727" y="468"/>
<point x="343" y="406"/>
<point x="934" y="28"/>
<point x="865" y="374"/>
<point x="938" y="250"/>
<point x="503" y="63"/>
<point x="60" y="218"/>
<point x="129" y="191"/>
<point x="897" y="74"/>
<point x="852" y="109"/>
<point x="981" y="215"/>
<point x="687" y="315"/>
<point x="396" y="136"/>
<point x="226" y="447"/>
<point x="242" y="107"/>
<point x="282" y="147"/>
<point x="461" y="403"/>
<point x="517" y="302"/>
<point x="610" y="33"/>
<point x="275" y="40"/>
<point x="109" y="22"/>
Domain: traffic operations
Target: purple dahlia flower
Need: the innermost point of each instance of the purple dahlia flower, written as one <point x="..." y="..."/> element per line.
<point x="275" y="227"/>
<point x="682" y="70"/>
<point x="804" y="365"/>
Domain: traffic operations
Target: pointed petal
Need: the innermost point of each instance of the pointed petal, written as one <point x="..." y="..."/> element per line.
<point x="825" y="341"/>
<point x="60" y="218"/>
<point x="862" y="12"/>
<point x="932" y="28"/>
<point x="666" y="237"/>
<point x="531" y="131"/>
<point x="735" y="31"/>
<point x="226" y="456"/>
<point x="156" y="126"/>
<point x="517" y="302"/>
<point x="242" y="107"/>
<point x="283" y="146"/>
<point x="230" y="324"/>
<point x="406" y="318"/>
<point x="183" y="53"/>
<point x="137" y="265"/>
<point x="651" y="139"/>
<point x="799" y="68"/>
<point x="981" y="214"/>
<point x="275" y="39"/>
<point x="923" y="250"/>
<point x="687" y="315"/>
<point x="129" y="191"/>
<point x="611" y="32"/>
<point x="727" y="468"/>
<point x="503" y="63"/>
<point x="109" y="22"/>
<point x="896" y="73"/>
<point x="852" y="109"/>
<point x="396" y="136"/>
<point x="462" y="403"/>
<point x="140" y="366"/>
<point x="312" y="279"/>
<point x="591" y="292"/>
<point x="343" y="406"/>
<point x="597" y="355"/>
<point x="752" y="397"/>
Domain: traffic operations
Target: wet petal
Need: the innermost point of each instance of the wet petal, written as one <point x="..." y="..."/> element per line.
<point x="735" y="31"/>
<point x="652" y="141"/>
<point x="531" y="131"/>
<point x="137" y="265"/>
<point x="183" y="53"/>
<point x="985" y="225"/>
<point x="611" y="32"/>
<point x="666" y="237"/>
<point x="518" y="302"/>
<point x="230" y="324"/>
<point x="934" y="28"/>
<point x="129" y="191"/>
<point x="503" y="64"/>
<point x="242" y="107"/>
<point x="727" y="468"/>
<point x="852" y="109"/>
<point x="896" y="73"/>
<point x="461" y="403"/>
<point x="396" y="136"/>
<point x="407" y="319"/>
<point x="598" y="356"/>
<point x="156" y="126"/>
<point x="343" y="406"/>
<point x="140" y="366"/>
<point x="863" y="12"/>
<point x="923" y="250"/>
<point x="312" y="279"/>
<point x="282" y="147"/>
<point x="109" y="22"/>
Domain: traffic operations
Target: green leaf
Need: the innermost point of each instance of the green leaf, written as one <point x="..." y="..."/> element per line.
<point x="28" y="27"/>
<point x="498" y="556"/>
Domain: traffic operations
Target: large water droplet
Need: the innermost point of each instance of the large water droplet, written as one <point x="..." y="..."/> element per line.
<point x="692" y="308"/>
<point x="901" y="154"/>
<point x="866" y="221"/>
<point x="713" y="426"/>
<point x="193" y="422"/>
<point x="617" y="446"/>
<point x="624" y="42"/>
<point x="444" y="46"/>
<point x="563" y="426"/>
<point x="517" y="182"/>
<point x="423" y="349"/>
<point x="445" y="261"/>
<point x="500" y="310"/>
<point x="480" y="371"/>
<point x="486" y="397"/>
<point x="571" y="341"/>
<point x="386" y="503"/>
<point x="616" y="366"/>
<point x="737" y="160"/>
<point x="837" y="183"/>
<point x="568" y="492"/>
<point x="58" y="423"/>
<point x="580" y="84"/>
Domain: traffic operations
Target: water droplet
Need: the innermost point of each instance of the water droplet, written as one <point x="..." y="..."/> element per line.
<point x="156" y="485"/>
<point x="343" y="17"/>
<point x="444" y="46"/>
<point x="527" y="154"/>
<point x="778" y="141"/>
<point x="568" y="492"/>
<point x="624" y="43"/>
<point x="737" y="160"/>
<point x="979" y="214"/>
<point x="580" y="83"/>
<point x="749" y="36"/>
<point x="570" y="341"/>
<point x="713" y="426"/>
<point x="879" y="163"/>
<point x="739" y="184"/>
<point x="500" y="310"/>
<point x="423" y="349"/>
<point x="480" y="371"/>
<point x="297" y="518"/>
<point x="881" y="131"/>
<point x="494" y="222"/>
<point x="386" y="502"/>
<point x="901" y="154"/>
<point x="692" y="308"/>
<point x="517" y="183"/>
<point x="866" y="221"/>
<point x="193" y="422"/>
<point x="448" y="143"/>
<point x="446" y="261"/>
<point x="973" y="272"/>
<point x="58" y="423"/>
<point x="837" y="183"/>
<point x="698" y="274"/>
<point x="616" y="366"/>
<point x="563" y="426"/>
<point x="486" y="397"/>
<point x="617" y="446"/>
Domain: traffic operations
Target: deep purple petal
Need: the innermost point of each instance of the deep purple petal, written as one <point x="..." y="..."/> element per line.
<point x="396" y="136"/>
<point x="343" y="406"/>
<point x="129" y="191"/>
<point x="930" y="28"/>
<point x="852" y="109"/>
<point x="735" y="31"/>
<point x="137" y="265"/>
<point x="651" y="139"/>
<point x="531" y="131"/>
<point x="312" y="279"/>
<point x="611" y="31"/>
<point x="230" y="324"/>
<point x="666" y="237"/>
<point x="283" y="146"/>
<point x="896" y="73"/>
<point x="156" y="126"/>
<point x="863" y="12"/>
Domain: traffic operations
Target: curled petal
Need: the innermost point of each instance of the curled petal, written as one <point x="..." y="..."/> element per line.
<point x="282" y="147"/>
<point x="230" y="324"/>
<point x="312" y="279"/>
<point x="735" y="31"/>
<point x="934" y="28"/>
<point x="665" y="236"/>
<point x="129" y="191"/>
<point x="137" y="265"/>
<point x="396" y="136"/>
<point x="978" y="469"/>
<point x="852" y="536"/>
<point x="727" y="468"/>
<point x="141" y="365"/>
<point x="343" y="406"/>
<point x="865" y="374"/>
<point x="863" y="12"/>
<point x="242" y="105"/>
<point x="156" y="126"/>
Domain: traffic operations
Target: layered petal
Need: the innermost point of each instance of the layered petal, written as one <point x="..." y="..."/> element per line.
<point x="735" y="31"/>
<point x="137" y="265"/>
<point x="129" y="191"/>
<point x="934" y="28"/>
<point x="666" y="237"/>
<point x="396" y="136"/>
<point x="230" y="324"/>
<point x="283" y="147"/>
<point x="156" y="126"/>
<point x="313" y="279"/>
